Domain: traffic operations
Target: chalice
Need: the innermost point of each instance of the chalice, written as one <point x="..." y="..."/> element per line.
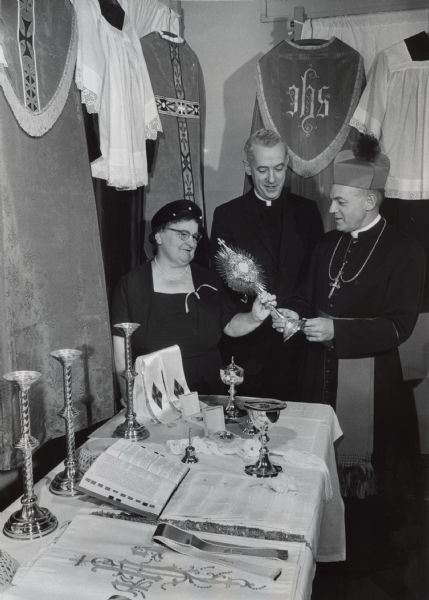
<point x="232" y="375"/>
<point x="263" y="414"/>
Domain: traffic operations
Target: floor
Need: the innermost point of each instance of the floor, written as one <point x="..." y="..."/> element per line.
<point x="387" y="557"/>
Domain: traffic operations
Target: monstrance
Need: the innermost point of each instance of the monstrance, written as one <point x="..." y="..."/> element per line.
<point x="242" y="273"/>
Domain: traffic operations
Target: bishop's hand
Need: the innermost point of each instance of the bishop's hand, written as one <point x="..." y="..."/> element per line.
<point x="320" y="329"/>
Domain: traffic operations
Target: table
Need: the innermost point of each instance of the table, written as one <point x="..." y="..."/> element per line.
<point x="302" y="427"/>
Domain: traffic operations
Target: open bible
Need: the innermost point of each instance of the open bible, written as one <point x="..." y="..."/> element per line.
<point x="134" y="477"/>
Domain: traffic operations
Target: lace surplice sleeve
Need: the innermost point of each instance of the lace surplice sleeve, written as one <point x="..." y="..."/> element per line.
<point x="370" y="112"/>
<point x="152" y="15"/>
<point x="90" y="61"/>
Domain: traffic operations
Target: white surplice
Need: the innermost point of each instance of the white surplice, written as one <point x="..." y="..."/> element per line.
<point x="112" y="75"/>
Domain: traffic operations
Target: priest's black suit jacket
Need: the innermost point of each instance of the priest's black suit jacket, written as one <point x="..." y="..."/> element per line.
<point x="272" y="367"/>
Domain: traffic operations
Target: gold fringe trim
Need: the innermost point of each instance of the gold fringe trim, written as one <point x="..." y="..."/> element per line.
<point x="308" y="168"/>
<point x="38" y="123"/>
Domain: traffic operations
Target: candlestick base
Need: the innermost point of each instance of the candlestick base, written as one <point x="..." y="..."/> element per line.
<point x="30" y="522"/>
<point x="132" y="431"/>
<point x="64" y="483"/>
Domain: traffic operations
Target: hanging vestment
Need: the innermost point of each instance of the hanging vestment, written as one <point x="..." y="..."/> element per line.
<point x="52" y="292"/>
<point x="374" y="302"/>
<point x="177" y="82"/>
<point x="112" y="75"/>
<point x="393" y="108"/>
<point x="308" y="94"/>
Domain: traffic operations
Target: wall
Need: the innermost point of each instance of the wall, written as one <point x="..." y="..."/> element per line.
<point x="228" y="39"/>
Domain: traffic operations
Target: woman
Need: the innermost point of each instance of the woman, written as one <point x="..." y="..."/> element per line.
<point x="176" y="302"/>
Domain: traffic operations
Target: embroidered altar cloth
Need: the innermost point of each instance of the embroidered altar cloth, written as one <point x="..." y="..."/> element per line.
<point x="110" y="558"/>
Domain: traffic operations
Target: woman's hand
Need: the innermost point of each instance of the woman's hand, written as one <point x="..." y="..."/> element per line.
<point x="262" y="306"/>
<point x="287" y="324"/>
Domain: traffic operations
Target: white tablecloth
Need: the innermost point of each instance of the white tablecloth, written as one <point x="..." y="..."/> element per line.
<point x="307" y="428"/>
<point x="304" y="427"/>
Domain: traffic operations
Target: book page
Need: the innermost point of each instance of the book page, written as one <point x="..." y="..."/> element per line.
<point x="161" y="465"/>
<point x="132" y="477"/>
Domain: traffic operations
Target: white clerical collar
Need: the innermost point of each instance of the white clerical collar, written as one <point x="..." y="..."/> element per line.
<point x="266" y="202"/>
<point x="356" y="232"/>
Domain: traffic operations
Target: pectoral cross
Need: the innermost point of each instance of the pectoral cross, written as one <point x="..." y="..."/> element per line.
<point x="334" y="285"/>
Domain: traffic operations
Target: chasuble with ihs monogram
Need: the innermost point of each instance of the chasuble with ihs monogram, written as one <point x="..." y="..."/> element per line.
<point x="307" y="93"/>
<point x="52" y="290"/>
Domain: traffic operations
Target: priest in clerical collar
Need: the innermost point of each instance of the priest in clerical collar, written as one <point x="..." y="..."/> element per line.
<point x="361" y="301"/>
<point x="280" y="230"/>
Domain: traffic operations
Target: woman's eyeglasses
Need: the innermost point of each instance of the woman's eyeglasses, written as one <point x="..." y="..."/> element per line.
<point x="186" y="235"/>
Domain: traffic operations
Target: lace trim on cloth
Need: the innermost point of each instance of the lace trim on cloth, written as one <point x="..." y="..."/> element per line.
<point x="116" y="176"/>
<point x="359" y="126"/>
<point x="152" y="128"/>
<point x="308" y="168"/>
<point x="37" y="123"/>
<point x="356" y="476"/>
<point x="89" y="98"/>
<point x="404" y="195"/>
<point x="8" y="568"/>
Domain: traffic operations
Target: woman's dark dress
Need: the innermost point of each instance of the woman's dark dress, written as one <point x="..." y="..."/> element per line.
<point x="164" y="322"/>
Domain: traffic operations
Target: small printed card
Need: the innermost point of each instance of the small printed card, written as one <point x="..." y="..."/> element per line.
<point x="190" y="404"/>
<point x="214" y="419"/>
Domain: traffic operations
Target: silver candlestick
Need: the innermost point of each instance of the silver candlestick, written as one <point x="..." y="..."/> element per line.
<point x="31" y="520"/>
<point x="130" y="428"/>
<point x="64" y="483"/>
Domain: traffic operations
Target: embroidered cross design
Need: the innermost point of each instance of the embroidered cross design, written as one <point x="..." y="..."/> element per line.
<point x="178" y="390"/>
<point x="157" y="396"/>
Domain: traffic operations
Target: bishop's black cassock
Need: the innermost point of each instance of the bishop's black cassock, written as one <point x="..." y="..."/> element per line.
<point x="374" y="304"/>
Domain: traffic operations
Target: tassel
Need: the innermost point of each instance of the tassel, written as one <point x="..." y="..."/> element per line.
<point x="357" y="480"/>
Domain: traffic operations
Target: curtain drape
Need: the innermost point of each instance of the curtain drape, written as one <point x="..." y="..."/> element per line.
<point x="368" y="34"/>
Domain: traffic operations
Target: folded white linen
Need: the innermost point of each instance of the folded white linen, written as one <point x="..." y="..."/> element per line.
<point x="306" y="460"/>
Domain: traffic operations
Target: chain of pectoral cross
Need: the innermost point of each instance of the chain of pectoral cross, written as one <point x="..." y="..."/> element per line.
<point x="338" y="279"/>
